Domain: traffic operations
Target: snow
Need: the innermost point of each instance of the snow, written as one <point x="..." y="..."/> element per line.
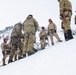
<point x="54" y="60"/>
<point x="59" y="59"/>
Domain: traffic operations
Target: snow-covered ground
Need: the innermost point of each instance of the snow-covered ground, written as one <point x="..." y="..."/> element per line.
<point x="59" y="59"/>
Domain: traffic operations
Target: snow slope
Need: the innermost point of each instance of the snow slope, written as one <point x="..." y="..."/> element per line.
<point x="54" y="60"/>
<point x="59" y="59"/>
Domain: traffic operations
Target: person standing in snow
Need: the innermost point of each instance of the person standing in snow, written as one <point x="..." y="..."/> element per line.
<point x="52" y="31"/>
<point x="16" y="49"/>
<point x="43" y="37"/>
<point x="65" y="16"/>
<point x="30" y="26"/>
<point x="5" y="50"/>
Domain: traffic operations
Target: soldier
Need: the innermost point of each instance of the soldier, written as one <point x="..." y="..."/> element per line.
<point x="16" y="36"/>
<point x="52" y="31"/>
<point x="65" y="16"/>
<point x="43" y="37"/>
<point x="30" y="26"/>
<point x="5" y="50"/>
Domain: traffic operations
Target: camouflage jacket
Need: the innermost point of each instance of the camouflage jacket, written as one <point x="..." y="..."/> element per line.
<point x="30" y="25"/>
<point x="65" y="5"/>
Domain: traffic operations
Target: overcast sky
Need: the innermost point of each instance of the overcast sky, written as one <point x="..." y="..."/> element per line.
<point x="13" y="11"/>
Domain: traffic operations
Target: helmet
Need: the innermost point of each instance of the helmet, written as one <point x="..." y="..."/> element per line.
<point x="5" y="39"/>
<point x="42" y="27"/>
<point x="49" y="20"/>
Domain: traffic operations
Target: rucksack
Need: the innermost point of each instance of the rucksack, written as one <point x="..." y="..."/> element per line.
<point x="18" y="29"/>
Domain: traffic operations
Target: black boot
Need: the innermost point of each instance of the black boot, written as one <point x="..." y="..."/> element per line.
<point x="35" y="49"/>
<point x="66" y="36"/>
<point x="60" y="40"/>
<point x="19" y="58"/>
<point x="52" y="43"/>
<point x="24" y="55"/>
<point x="69" y="32"/>
<point x="30" y="53"/>
<point x="4" y="62"/>
<point x="10" y="61"/>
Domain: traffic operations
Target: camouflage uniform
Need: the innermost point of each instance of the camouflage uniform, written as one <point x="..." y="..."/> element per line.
<point x="20" y="48"/>
<point x="66" y="28"/>
<point x="5" y="49"/>
<point x="30" y="26"/>
<point x="52" y="32"/>
<point x="43" y="37"/>
<point x="65" y="16"/>
<point x="16" y="43"/>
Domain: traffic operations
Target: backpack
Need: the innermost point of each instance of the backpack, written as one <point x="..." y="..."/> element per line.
<point x="18" y="29"/>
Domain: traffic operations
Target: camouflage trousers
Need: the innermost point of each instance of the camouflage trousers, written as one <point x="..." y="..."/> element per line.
<point x="51" y="37"/>
<point x="20" y="50"/>
<point x="29" y="39"/>
<point x="42" y="42"/>
<point x="13" y="53"/>
<point x="67" y="29"/>
<point x="4" y="57"/>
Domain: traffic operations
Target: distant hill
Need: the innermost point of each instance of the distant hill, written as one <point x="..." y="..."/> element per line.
<point x="6" y="32"/>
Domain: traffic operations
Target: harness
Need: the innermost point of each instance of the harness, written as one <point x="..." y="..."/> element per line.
<point x="51" y="31"/>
